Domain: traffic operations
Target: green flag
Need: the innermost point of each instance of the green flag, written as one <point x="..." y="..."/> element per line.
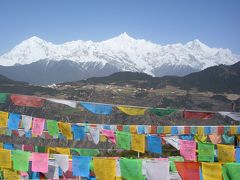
<point x="123" y="140"/>
<point x="232" y="170"/>
<point x="20" y="160"/>
<point x="205" y="152"/>
<point x="172" y="164"/>
<point x="86" y="152"/>
<point x="131" y="169"/>
<point x="3" y="97"/>
<point x="162" y="112"/>
<point x="52" y="127"/>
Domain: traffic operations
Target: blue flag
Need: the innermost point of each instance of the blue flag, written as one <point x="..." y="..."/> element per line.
<point x="238" y="154"/>
<point x="207" y="130"/>
<point x="154" y="144"/>
<point x="8" y="146"/>
<point x="97" y="108"/>
<point x="174" y="130"/>
<point x="186" y="137"/>
<point x="78" y="132"/>
<point x="140" y="129"/>
<point x="13" y="121"/>
<point x="81" y="166"/>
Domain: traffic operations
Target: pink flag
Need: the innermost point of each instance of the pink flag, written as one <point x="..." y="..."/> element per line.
<point x="37" y="126"/>
<point x="40" y="162"/>
<point x="29" y="101"/>
<point x="188" y="149"/>
<point x="109" y="134"/>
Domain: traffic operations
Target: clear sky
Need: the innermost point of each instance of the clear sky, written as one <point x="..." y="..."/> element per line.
<point x="214" y="22"/>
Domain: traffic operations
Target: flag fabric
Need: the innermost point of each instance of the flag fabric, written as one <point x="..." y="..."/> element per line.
<point x="215" y="139"/>
<point x="123" y="140"/>
<point x="188" y="170"/>
<point x="63" y="161"/>
<point x="226" y="153"/>
<point x="3" y="97"/>
<point x="212" y="171"/>
<point x="52" y="127"/>
<point x="172" y="161"/>
<point x="104" y="168"/>
<point x="154" y="144"/>
<point x="132" y="111"/>
<point x="39" y="162"/>
<point x="86" y="152"/>
<point x="232" y="170"/>
<point x="162" y="112"/>
<point x="30" y="101"/>
<point x="138" y="142"/>
<point x="69" y="103"/>
<point x="205" y="152"/>
<point x="38" y="126"/>
<point x="188" y="149"/>
<point x="26" y="122"/>
<point x="3" y="119"/>
<point x="197" y="115"/>
<point x="20" y="160"/>
<point x="228" y="139"/>
<point x="65" y="129"/>
<point x="5" y="158"/>
<point x="78" y="132"/>
<point x="131" y="169"/>
<point x="109" y="134"/>
<point x="10" y="174"/>
<point x="81" y="166"/>
<point x="237" y="154"/>
<point x="13" y="121"/>
<point x="95" y="108"/>
<point x="95" y="134"/>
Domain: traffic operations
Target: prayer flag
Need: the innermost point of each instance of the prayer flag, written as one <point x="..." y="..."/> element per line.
<point x="226" y="153"/>
<point x="26" y="122"/>
<point x="131" y="169"/>
<point x="215" y="139"/>
<point x="104" y="168"/>
<point x="154" y="144"/>
<point x="81" y="166"/>
<point x="95" y="108"/>
<point x="5" y="158"/>
<point x="162" y="112"/>
<point x="197" y="115"/>
<point x="10" y="174"/>
<point x="20" y="160"/>
<point x="3" y="119"/>
<point x="109" y="134"/>
<point x="188" y="170"/>
<point x="172" y="162"/>
<point x="13" y="121"/>
<point x="86" y="152"/>
<point x="138" y="142"/>
<point x="212" y="171"/>
<point x="37" y="127"/>
<point x="78" y="132"/>
<point x="29" y="101"/>
<point x="65" y="129"/>
<point x="62" y="160"/>
<point x="52" y="127"/>
<point x="123" y="140"/>
<point x="132" y="111"/>
<point x="3" y="97"/>
<point x="205" y="152"/>
<point x="39" y="162"/>
<point x="188" y="149"/>
<point x="232" y="170"/>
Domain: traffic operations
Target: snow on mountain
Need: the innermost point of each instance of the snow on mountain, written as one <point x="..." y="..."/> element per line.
<point x="123" y="52"/>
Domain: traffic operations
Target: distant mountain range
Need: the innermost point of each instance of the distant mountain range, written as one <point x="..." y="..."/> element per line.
<point x="40" y="62"/>
<point x="218" y="79"/>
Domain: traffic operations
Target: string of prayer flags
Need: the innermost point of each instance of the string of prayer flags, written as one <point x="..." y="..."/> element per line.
<point x="154" y="144"/>
<point x="132" y="111"/>
<point x="104" y="168"/>
<point x="65" y="129"/>
<point x="38" y="126"/>
<point x="138" y="142"/>
<point x="188" y="149"/>
<point x="156" y="169"/>
<point x="172" y="161"/>
<point x="95" y="108"/>
<point x="13" y="121"/>
<point x="215" y="139"/>
<point x="131" y="169"/>
<point x="78" y="132"/>
<point x="212" y="171"/>
<point x="94" y="133"/>
<point x="69" y="103"/>
<point x="3" y="97"/>
<point x="5" y="158"/>
<point x="123" y="140"/>
<point x="39" y="162"/>
<point x="86" y="152"/>
<point x="52" y="127"/>
<point x="232" y="170"/>
<point x="197" y="115"/>
<point x="81" y="166"/>
<point x="30" y="101"/>
<point x="162" y="112"/>
<point x="109" y="134"/>
<point x="20" y="160"/>
<point x="205" y="152"/>
<point x="3" y="119"/>
<point x="226" y="153"/>
<point x="26" y="122"/>
<point x="188" y="170"/>
<point x="62" y="160"/>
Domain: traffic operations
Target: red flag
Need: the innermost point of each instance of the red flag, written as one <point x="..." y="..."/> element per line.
<point x="220" y="130"/>
<point x="29" y="101"/>
<point x="187" y="130"/>
<point x="188" y="170"/>
<point x="153" y="130"/>
<point x="197" y="115"/>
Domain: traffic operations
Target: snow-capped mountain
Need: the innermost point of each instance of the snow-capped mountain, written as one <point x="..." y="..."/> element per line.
<point x="122" y="53"/>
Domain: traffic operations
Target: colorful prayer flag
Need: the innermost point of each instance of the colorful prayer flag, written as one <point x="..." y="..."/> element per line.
<point x="39" y="162"/>
<point x="138" y="142"/>
<point x="212" y="171"/>
<point x="20" y="160"/>
<point x="132" y="111"/>
<point x="131" y="169"/>
<point x="154" y="144"/>
<point x="81" y="166"/>
<point x="65" y="129"/>
<point x="30" y="101"/>
<point x="123" y="140"/>
<point x="205" y="152"/>
<point x="95" y="108"/>
<point x="104" y="168"/>
<point x="226" y="153"/>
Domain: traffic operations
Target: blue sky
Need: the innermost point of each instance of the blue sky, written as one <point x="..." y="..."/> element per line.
<point x="214" y="22"/>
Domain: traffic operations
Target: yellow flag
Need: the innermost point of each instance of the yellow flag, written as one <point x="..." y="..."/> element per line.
<point x="65" y="129"/>
<point x="233" y="130"/>
<point x="167" y="129"/>
<point x="132" y="111"/>
<point x="3" y="119"/>
<point x="133" y="129"/>
<point x="5" y="158"/>
<point x="226" y="153"/>
<point x="200" y="130"/>
<point x="103" y="138"/>
<point x="212" y="171"/>
<point x="202" y="138"/>
<point x="104" y="168"/>
<point x="138" y="142"/>
<point x="10" y="174"/>
<point x="1" y="145"/>
<point x="58" y="150"/>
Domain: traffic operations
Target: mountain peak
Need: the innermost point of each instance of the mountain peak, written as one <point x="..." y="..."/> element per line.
<point x="35" y="39"/>
<point x="196" y="43"/>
